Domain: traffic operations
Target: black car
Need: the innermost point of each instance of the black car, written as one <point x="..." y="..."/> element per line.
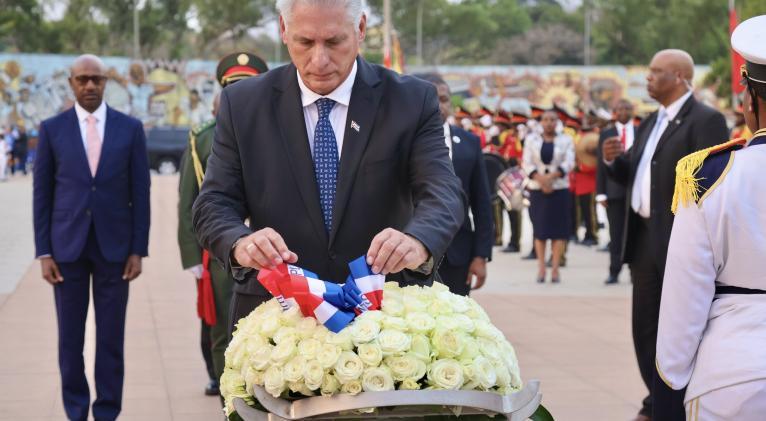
<point x="165" y="147"/>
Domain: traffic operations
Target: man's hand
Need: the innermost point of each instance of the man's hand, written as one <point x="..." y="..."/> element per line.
<point x="132" y="268"/>
<point x="611" y="149"/>
<point x="263" y="249"/>
<point x="477" y="269"/>
<point x="51" y="271"/>
<point x="392" y="251"/>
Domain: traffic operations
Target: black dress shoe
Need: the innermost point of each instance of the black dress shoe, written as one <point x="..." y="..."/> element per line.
<point x="212" y="388"/>
<point x="541" y="280"/>
<point x="611" y="280"/>
<point x="555" y="280"/>
<point x="589" y="242"/>
<point x="510" y="248"/>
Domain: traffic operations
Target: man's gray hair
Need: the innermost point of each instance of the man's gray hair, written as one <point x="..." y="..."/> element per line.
<point x="353" y="8"/>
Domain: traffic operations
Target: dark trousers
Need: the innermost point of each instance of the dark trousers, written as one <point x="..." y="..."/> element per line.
<point x="514" y="216"/>
<point x="242" y="305"/>
<point x="662" y="403"/>
<point x="615" y="214"/>
<point x="586" y="215"/>
<point x="454" y="277"/>
<point x="110" y="299"/>
<point x="207" y="350"/>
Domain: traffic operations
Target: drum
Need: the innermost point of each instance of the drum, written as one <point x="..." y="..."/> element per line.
<point x="495" y="165"/>
<point x="510" y="188"/>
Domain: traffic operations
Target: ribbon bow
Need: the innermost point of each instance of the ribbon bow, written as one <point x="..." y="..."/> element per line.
<point x="334" y="305"/>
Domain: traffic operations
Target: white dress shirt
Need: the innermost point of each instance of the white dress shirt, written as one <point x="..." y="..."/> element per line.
<point x="642" y="185"/>
<point x="448" y="138"/>
<point x="82" y="119"/>
<point x="630" y="132"/>
<point x="342" y="97"/>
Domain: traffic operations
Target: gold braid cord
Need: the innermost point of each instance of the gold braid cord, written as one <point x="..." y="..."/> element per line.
<point x="198" y="171"/>
<point x="687" y="183"/>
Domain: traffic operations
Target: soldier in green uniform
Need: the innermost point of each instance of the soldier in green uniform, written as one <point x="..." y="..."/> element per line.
<point x="213" y="282"/>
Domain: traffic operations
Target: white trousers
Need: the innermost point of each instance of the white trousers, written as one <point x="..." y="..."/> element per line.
<point x="741" y="402"/>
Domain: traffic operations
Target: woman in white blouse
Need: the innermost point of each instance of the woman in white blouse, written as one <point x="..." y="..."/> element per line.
<point x="548" y="159"/>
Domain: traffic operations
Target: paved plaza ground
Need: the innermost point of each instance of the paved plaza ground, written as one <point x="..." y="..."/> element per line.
<point x="574" y="337"/>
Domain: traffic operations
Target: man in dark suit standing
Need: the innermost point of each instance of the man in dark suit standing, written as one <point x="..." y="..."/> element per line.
<point x="611" y="194"/>
<point x="91" y="218"/>
<point x="680" y="126"/>
<point x="329" y="158"/>
<point x="465" y="263"/>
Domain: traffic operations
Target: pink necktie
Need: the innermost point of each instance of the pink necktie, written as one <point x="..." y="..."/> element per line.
<point x="93" y="143"/>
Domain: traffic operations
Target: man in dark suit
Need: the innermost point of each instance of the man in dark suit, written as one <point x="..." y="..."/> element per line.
<point x="329" y="158"/>
<point x="465" y="263"/>
<point x="611" y="194"/>
<point x="680" y="126"/>
<point x="91" y="218"/>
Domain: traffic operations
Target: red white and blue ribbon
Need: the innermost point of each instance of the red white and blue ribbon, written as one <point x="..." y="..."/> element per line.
<point x="334" y="305"/>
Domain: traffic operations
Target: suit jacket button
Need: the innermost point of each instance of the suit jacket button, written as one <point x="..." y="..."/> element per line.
<point x="93" y="188"/>
<point x="333" y="256"/>
<point x="87" y="211"/>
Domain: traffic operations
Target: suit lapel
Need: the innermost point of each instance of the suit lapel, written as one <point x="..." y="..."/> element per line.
<point x="362" y="110"/>
<point x="639" y="142"/>
<point x="675" y="123"/>
<point x="292" y="125"/>
<point x="77" y="142"/>
<point x="108" y="142"/>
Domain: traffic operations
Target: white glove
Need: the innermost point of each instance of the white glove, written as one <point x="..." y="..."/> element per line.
<point x="196" y="271"/>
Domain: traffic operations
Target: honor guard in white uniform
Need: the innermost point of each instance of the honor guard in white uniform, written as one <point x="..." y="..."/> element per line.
<point x="712" y="325"/>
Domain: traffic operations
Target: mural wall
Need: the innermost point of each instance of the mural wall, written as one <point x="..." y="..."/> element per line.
<point x="180" y="93"/>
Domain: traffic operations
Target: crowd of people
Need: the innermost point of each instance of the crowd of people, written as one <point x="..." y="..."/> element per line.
<point x="328" y="158"/>
<point x="14" y="150"/>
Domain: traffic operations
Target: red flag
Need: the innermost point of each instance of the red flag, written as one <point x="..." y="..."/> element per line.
<point x="736" y="60"/>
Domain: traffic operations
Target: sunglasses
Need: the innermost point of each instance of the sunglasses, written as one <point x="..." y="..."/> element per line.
<point x="96" y="79"/>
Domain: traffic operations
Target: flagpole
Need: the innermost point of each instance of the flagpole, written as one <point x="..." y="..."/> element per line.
<point x="387" y="33"/>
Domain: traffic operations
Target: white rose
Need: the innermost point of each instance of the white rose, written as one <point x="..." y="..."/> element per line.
<point x="300" y="387"/>
<point x="349" y="367"/>
<point x="416" y="304"/>
<point x="370" y="354"/>
<point x="261" y="358"/>
<point x="437" y="287"/>
<point x="463" y="322"/>
<point x="253" y="377"/>
<point x="446" y="322"/>
<point x="309" y="347"/>
<point x="389" y="287"/>
<point x="394" y="342"/>
<point x="392" y="306"/>
<point x="328" y="355"/>
<point x="273" y="381"/>
<point x="409" y="384"/>
<point x="503" y="376"/>
<point x="269" y="326"/>
<point x="484" y="374"/>
<point x="420" y="322"/>
<point x="342" y="339"/>
<point x="406" y="366"/>
<point x="352" y="388"/>
<point x="395" y="323"/>
<point x="286" y="333"/>
<point x="364" y="331"/>
<point x="291" y="316"/>
<point x="459" y="303"/>
<point x="236" y="352"/>
<point x="448" y="343"/>
<point x="421" y="347"/>
<point x="439" y="307"/>
<point x="321" y="333"/>
<point x="470" y="350"/>
<point x="374" y="315"/>
<point x="476" y="312"/>
<point x="283" y="352"/>
<point x="484" y="329"/>
<point x="305" y="327"/>
<point x="293" y="370"/>
<point x="330" y="385"/>
<point x="313" y="374"/>
<point x="445" y="374"/>
<point x="377" y="379"/>
<point x="489" y="349"/>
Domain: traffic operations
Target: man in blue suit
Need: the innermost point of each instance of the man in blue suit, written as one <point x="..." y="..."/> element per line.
<point x="91" y="217"/>
<point x="465" y="263"/>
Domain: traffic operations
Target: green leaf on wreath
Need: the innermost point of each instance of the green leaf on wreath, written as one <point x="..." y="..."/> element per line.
<point x="541" y="414"/>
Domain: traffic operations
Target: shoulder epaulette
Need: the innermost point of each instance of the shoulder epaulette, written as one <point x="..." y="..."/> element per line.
<point x="202" y="127"/>
<point x="699" y="172"/>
